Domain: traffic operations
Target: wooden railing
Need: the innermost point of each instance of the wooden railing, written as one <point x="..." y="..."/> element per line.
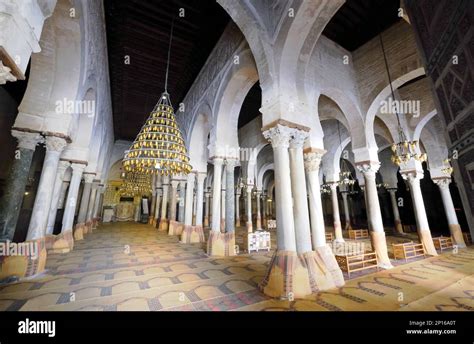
<point x="443" y="243"/>
<point x="357" y="262"/>
<point x="356" y="234"/>
<point x="408" y="250"/>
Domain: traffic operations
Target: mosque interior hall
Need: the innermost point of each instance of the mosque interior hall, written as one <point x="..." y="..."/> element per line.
<point x="236" y="155"/>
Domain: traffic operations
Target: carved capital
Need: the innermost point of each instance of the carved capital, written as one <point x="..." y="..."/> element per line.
<point x="27" y="140"/>
<point x="62" y="167"/>
<point x="443" y="183"/>
<point x="279" y="136"/>
<point x="312" y="161"/>
<point x="217" y="161"/>
<point x="230" y="164"/>
<point x="88" y="178"/>
<point x="201" y="176"/>
<point x="55" y="144"/>
<point x="77" y="168"/>
<point x="368" y="168"/>
<point x="298" y="138"/>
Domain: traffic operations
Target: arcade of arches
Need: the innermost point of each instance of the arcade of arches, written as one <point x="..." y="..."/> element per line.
<point x="285" y="120"/>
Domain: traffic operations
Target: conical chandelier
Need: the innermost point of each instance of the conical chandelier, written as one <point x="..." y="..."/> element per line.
<point x="159" y="147"/>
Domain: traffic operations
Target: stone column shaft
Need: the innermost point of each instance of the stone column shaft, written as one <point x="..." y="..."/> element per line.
<point x="347" y="216"/>
<point x="200" y="198"/>
<point x="249" y="209"/>
<point x="72" y="195"/>
<point x="39" y="215"/>
<point x="230" y="196"/>
<point x="182" y="196"/>
<point x="237" y="209"/>
<point x="335" y="213"/>
<point x="86" y="192"/>
<point x="62" y="167"/>
<point x="396" y="213"/>
<point x="188" y="212"/>
<point x="216" y="195"/>
<point x="16" y="181"/>
<point x="62" y="194"/>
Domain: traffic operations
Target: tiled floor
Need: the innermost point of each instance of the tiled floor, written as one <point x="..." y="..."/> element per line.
<point x="129" y="266"/>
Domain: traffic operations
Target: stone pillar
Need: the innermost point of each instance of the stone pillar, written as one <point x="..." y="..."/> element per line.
<point x="264" y="210"/>
<point x="454" y="228"/>
<point x="163" y="226"/>
<point x="396" y="215"/>
<point x="153" y="201"/>
<point x="159" y="192"/>
<point x="70" y="208"/>
<point x="62" y="194"/>
<point x="290" y="275"/>
<point x="194" y="209"/>
<point x="223" y="190"/>
<point x="379" y="242"/>
<point x="230" y="198"/>
<point x="188" y="212"/>
<point x="258" y="222"/>
<point x="237" y="207"/>
<point x="312" y="161"/>
<point x="39" y="216"/>
<point x="96" y="213"/>
<point x="206" y="211"/>
<point x="413" y="176"/>
<point x="81" y="217"/>
<point x="174" y="227"/>
<point x="249" y="209"/>
<point x="182" y="197"/>
<point x="193" y="234"/>
<point x="298" y="188"/>
<point x="201" y="176"/>
<point x="90" y="208"/>
<point x="16" y="181"/>
<point x="347" y="216"/>
<point x="62" y="167"/>
<point x="335" y="213"/>
<point x="219" y="244"/>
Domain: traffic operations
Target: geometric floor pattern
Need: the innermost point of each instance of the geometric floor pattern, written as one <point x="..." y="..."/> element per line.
<point x="129" y="266"/>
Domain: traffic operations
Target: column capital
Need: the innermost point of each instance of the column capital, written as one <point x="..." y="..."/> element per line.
<point x="312" y="161"/>
<point x="63" y="166"/>
<point x="333" y="186"/>
<point x="201" y="176"/>
<point x="217" y="161"/>
<point x="55" y="144"/>
<point x="174" y="184"/>
<point x="88" y="178"/>
<point x="230" y="163"/>
<point x="279" y="136"/>
<point x="190" y="178"/>
<point x="298" y="138"/>
<point x="412" y="175"/>
<point x="27" y="140"/>
<point x="77" y="168"/>
<point x="392" y="190"/>
<point x="182" y="183"/>
<point x="443" y="183"/>
<point x="368" y="168"/>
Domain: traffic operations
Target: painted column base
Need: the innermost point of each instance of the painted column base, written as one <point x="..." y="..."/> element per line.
<point x="192" y="234"/>
<point x="222" y="224"/>
<point x="338" y="232"/>
<point x="175" y="228"/>
<point x="24" y="266"/>
<point x="163" y="225"/>
<point x="399" y="227"/>
<point x="154" y="222"/>
<point x="61" y="243"/>
<point x="249" y="227"/>
<point x="79" y="231"/>
<point x="259" y="224"/>
<point x="221" y="244"/>
<point x="206" y="221"/>
<point x="329" y="261"/>
<point x="88" y="227"/>
<point x="457" y="236"/>
<point x="427" y="241"/>
<point x="237" y="223"/>
<point x="194" y="219"/>
<point x="95" y="222"/>
<point x="379" y="245"/>
<point x="291" y="275"/>
<point x="348" y="226"/>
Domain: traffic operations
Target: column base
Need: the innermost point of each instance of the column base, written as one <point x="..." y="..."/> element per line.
<point x="95" y="222"/>
<point x="379" y="245"/>
<point x="427" y="241"/>
<point x="61" y="243"/>
<point x="338" y="232"/>
<point x="87" y="229"/>
<point x="151" y="220"/>
<point x="457" y="236"/>
<point x="348" y="227"/>
<point x="237" y="223"/>
<point x="329" y="260"/>
<point x="259" y="224"/>
<point x="175" y="228"/>
<point x="249" y="227"/>
<point x="291" y="275"/>
<point x="79" y="231"/>
<point x="192" y="234"/>
<point x="222" y="225"/>
<point x="206" y="221"/>
<point x="154" y="222"/>
<point x="163" y="225"/>
<point x="25" y="265"/>
<point x="221" y="244"/>
<point x="399" y="227"/>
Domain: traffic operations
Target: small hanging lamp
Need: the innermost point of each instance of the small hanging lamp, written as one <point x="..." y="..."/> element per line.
<point x="159" y="147"/>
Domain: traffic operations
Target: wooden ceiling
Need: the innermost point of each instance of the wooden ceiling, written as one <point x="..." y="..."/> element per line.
<point x="140" y="30"/>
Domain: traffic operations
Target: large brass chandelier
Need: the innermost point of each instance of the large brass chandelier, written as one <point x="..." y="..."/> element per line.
<point x="159" y="147"/>
<point x="135" y="184"/>
<point x="404" y="150"/>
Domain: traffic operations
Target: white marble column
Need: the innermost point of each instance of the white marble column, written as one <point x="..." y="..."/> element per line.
<point x="159" y="192"/>
<point x="396" y="214"/>
<point x="298" y="188"/>
<point x="216" y="195"/>
<point x="72" y="195"/>
<point x="312" y="162"/>
<point x="164" y="204"/>
<point x="200" y="176"/>
<point x="194" y="208"/>
<point x="279" y="137"/>
<point x="206" y="209"/>
<point x="258" y="222"/>
<point x="223" y="191"/>
<point x="62" y="167"/>
<point x="62" y="194"/>
<point x="379" y="242"/>
<point x="188" y="211"/>
<point x="264" y="210"/>
<point x="86" y="192"/>
<point x="92" y="201"/>
<point x="454" y="228"/>
<point x="347" y="216"/>
<point x="96" y="213"/>
<point x="249" y="224"/>
<point x="413" y="176"/>
<point x="230" y="196"/>
<point x="173" y="191"/>
<point x="335" y="213"/>
<point x="237" y="207"/>
<point x="182" y="197"/>
<point x="39" y="216"/>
